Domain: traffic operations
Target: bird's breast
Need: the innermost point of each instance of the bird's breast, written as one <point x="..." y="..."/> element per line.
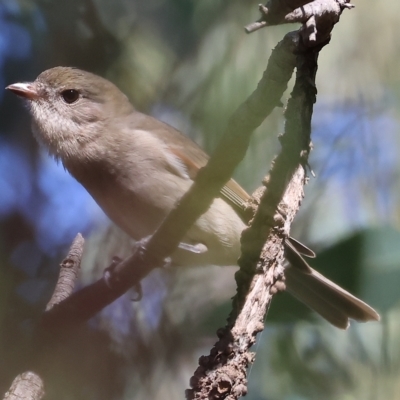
<point x="135" y="199"/>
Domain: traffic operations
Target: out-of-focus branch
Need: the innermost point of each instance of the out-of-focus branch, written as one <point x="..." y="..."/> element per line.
<point x="29" y="385"/>
<point x="222" y="374"/>
<point x="26" y="386"/>
<point x="149" y="254"/>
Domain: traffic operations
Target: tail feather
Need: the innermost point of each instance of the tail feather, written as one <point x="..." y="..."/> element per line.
<point x="329" y="300"/>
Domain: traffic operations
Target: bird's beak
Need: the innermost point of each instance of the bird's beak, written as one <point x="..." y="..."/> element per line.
<point x="27" y="90"/>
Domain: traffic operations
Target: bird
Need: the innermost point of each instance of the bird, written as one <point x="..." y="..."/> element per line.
<point x="136" y="168"/>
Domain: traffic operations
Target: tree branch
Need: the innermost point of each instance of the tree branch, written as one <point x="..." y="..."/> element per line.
<point x="222" y="374"/>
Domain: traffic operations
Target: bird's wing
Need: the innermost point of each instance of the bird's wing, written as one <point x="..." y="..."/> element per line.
<point x="193" y="157"/>
<point x="319" y="293"/>
<point x="329" y="300"/>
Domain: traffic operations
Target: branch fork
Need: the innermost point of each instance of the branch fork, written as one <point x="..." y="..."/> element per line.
<point x="317" y="17"/>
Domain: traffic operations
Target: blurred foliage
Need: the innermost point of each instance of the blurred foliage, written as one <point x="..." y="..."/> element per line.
<point x="190" y="64"/>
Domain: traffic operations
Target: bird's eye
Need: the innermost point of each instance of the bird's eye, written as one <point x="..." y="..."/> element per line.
<point x="70" y="95"/>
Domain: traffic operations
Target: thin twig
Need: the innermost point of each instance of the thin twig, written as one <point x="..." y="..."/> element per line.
<point x="69" y="270"/>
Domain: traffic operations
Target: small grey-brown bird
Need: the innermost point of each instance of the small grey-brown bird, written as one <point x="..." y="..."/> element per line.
<point x="136" y="168"/>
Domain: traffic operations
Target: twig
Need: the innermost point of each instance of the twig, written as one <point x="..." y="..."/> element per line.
<point x="69" y="270"/>
<point x="274" y="12"/>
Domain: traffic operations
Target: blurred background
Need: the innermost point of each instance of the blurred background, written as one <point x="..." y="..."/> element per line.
<point x="190" y="64"/>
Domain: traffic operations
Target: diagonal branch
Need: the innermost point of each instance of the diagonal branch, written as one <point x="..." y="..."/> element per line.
<point x="85" y="303"/>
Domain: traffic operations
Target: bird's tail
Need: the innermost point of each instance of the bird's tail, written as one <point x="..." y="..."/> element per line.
<point x="329" y="300"/>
